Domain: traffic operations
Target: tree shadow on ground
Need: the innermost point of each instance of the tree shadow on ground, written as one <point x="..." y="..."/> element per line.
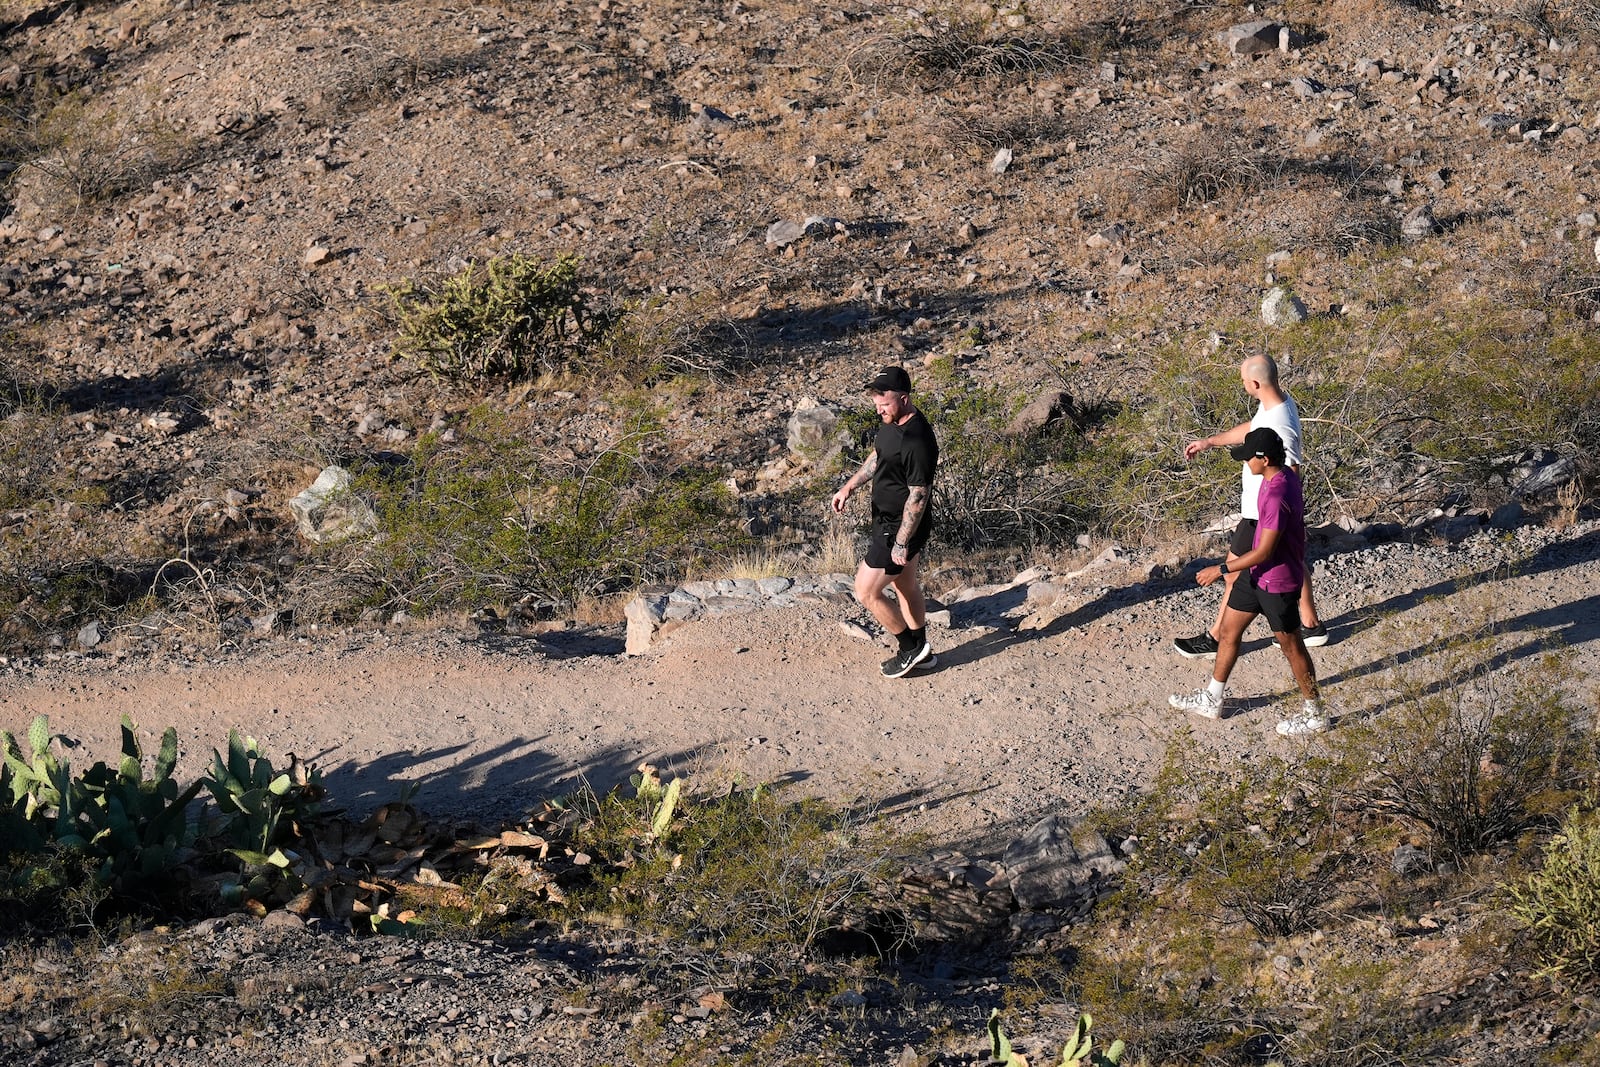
<point x="1548" y="630"/>
<point x="1574" y="624"/>
<point x="501" y="783"/>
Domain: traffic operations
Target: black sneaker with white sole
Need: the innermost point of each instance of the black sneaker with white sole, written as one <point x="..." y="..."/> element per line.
<point x="1314" y="636"/>
<point x="901" y="663"/>
<point x="1201" y="646"/>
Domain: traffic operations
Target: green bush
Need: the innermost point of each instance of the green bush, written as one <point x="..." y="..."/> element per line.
<point x="1474" y="758"/>
<point x="1559" y="903"/>
<point x="490" y="518"/>
<point x="1259" y="843"/>
<point x="995" y="488"/>
<point x="745" y="871"/>
<point x="511" y="316"/>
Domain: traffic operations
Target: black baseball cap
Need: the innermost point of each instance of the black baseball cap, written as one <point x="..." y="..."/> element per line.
<point x="890" y="380"/>
<point x="1262" y="441"/>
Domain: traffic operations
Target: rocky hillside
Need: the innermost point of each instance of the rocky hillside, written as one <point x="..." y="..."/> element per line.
<point x="205" y="206"/>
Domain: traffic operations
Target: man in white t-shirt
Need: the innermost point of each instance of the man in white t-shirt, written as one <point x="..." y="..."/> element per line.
<point x="1274" y="408"/>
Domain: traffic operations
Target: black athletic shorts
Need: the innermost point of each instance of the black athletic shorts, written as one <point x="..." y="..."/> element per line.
<point x="881" y="543"/>
<point x="1244" y="537"/>
<point x="1281" y="609"/>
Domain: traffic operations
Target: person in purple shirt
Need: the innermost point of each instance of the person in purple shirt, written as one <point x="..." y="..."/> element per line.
<point x="1271" y="575"/>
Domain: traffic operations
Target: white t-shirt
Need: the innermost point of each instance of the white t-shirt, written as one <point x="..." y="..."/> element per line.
<point x="1285" y="418"/>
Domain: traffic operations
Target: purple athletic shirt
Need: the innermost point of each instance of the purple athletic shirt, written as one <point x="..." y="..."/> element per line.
<point x="1282" y="507"/>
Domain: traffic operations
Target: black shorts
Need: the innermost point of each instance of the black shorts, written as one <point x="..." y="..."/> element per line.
<point x="1244" y="538"/>
<point x="1281" y="609"/>
<point x="881" y="542"/>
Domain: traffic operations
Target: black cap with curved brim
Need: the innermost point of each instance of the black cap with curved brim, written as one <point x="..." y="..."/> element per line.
<point x="890" y="380"/>
<point x="1262" y="441"/>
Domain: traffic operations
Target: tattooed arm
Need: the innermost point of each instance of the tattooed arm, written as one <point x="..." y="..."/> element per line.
<point x="911" y="518"/>
<point x="858" y="479"/>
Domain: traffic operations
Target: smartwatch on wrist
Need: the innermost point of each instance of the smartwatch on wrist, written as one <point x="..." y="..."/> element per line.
<point x="1223" y="567"/>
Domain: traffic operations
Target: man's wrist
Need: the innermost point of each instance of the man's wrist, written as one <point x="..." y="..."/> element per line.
<point x="1222" y="568"/>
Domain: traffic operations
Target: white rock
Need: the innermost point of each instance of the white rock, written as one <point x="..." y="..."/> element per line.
<point x="1253" y="38"/>
<point x="1282" y="308"/>
<point x="329" y="510"/>
<point x="784" y="232"/>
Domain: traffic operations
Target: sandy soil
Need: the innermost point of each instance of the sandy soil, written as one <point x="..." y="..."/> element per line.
<point x="1068" y="706"/>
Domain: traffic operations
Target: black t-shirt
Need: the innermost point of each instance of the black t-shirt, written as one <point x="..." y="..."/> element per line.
<point x="907" y="456"/>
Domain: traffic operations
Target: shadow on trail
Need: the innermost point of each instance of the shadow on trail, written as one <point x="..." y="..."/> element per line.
<point x="1568" y="624"/>
<point x="1557" y="556"/>
<point x="576" y="643"/>
<point x="498" y="784"/>
<point x="1549" y="630"/>
<point x="994" y="611"/>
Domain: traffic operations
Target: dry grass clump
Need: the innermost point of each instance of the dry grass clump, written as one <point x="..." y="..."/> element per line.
<point x="950" y="46"/>
<point x="988" y="132"/>
<point x="1585" y="18"/>
<point x="1207" y="165"/>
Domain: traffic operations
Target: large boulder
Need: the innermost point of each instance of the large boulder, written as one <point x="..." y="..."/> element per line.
<point x="328" y="510"/>
<point x="815" y="435"/>
<point x="1041" y="411"/>
<point x="1060" y="862"/>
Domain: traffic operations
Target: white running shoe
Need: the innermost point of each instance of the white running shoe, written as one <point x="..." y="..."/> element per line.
<point x="1201" y="702"/>
<point x="1313" y="719"/>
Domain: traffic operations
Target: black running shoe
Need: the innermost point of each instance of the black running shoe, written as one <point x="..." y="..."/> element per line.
<point x="899" y="665"/>
<point x="1201" y="646"/>
<point x="1314" y="636"/>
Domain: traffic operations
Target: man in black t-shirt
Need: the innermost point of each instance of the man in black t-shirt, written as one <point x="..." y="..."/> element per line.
<point x="900" y="469"/>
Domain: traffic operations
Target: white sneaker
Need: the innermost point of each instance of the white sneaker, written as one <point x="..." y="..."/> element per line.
<point x="1201" y="702"/>
<point x="1313" y="719"/>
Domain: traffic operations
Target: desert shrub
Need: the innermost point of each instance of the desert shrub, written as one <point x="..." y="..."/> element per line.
<point x="1228" y="854"/>
<point x="1134" y="465"/>
<point x="511" y="316"/>
<point x="1363" y="1013"/>
<point x="13" y="394"/>
<point x="1260" y="844"/>
<point x="1559" y="903"/>
<point x="29" y="433"/>
<point x="1584" y="18"/>
<point x="1177" y="989"/>
<point x="953" y="44"/>
<point x="488" y="517"/>
<point x="1400" y="413"/>
<point x="92" y="155"/>
<point x="1470" y="751"/>
<point x="1205" y="166"/>
<point x="765" y="880"/>
<point x="998" y="488"/>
